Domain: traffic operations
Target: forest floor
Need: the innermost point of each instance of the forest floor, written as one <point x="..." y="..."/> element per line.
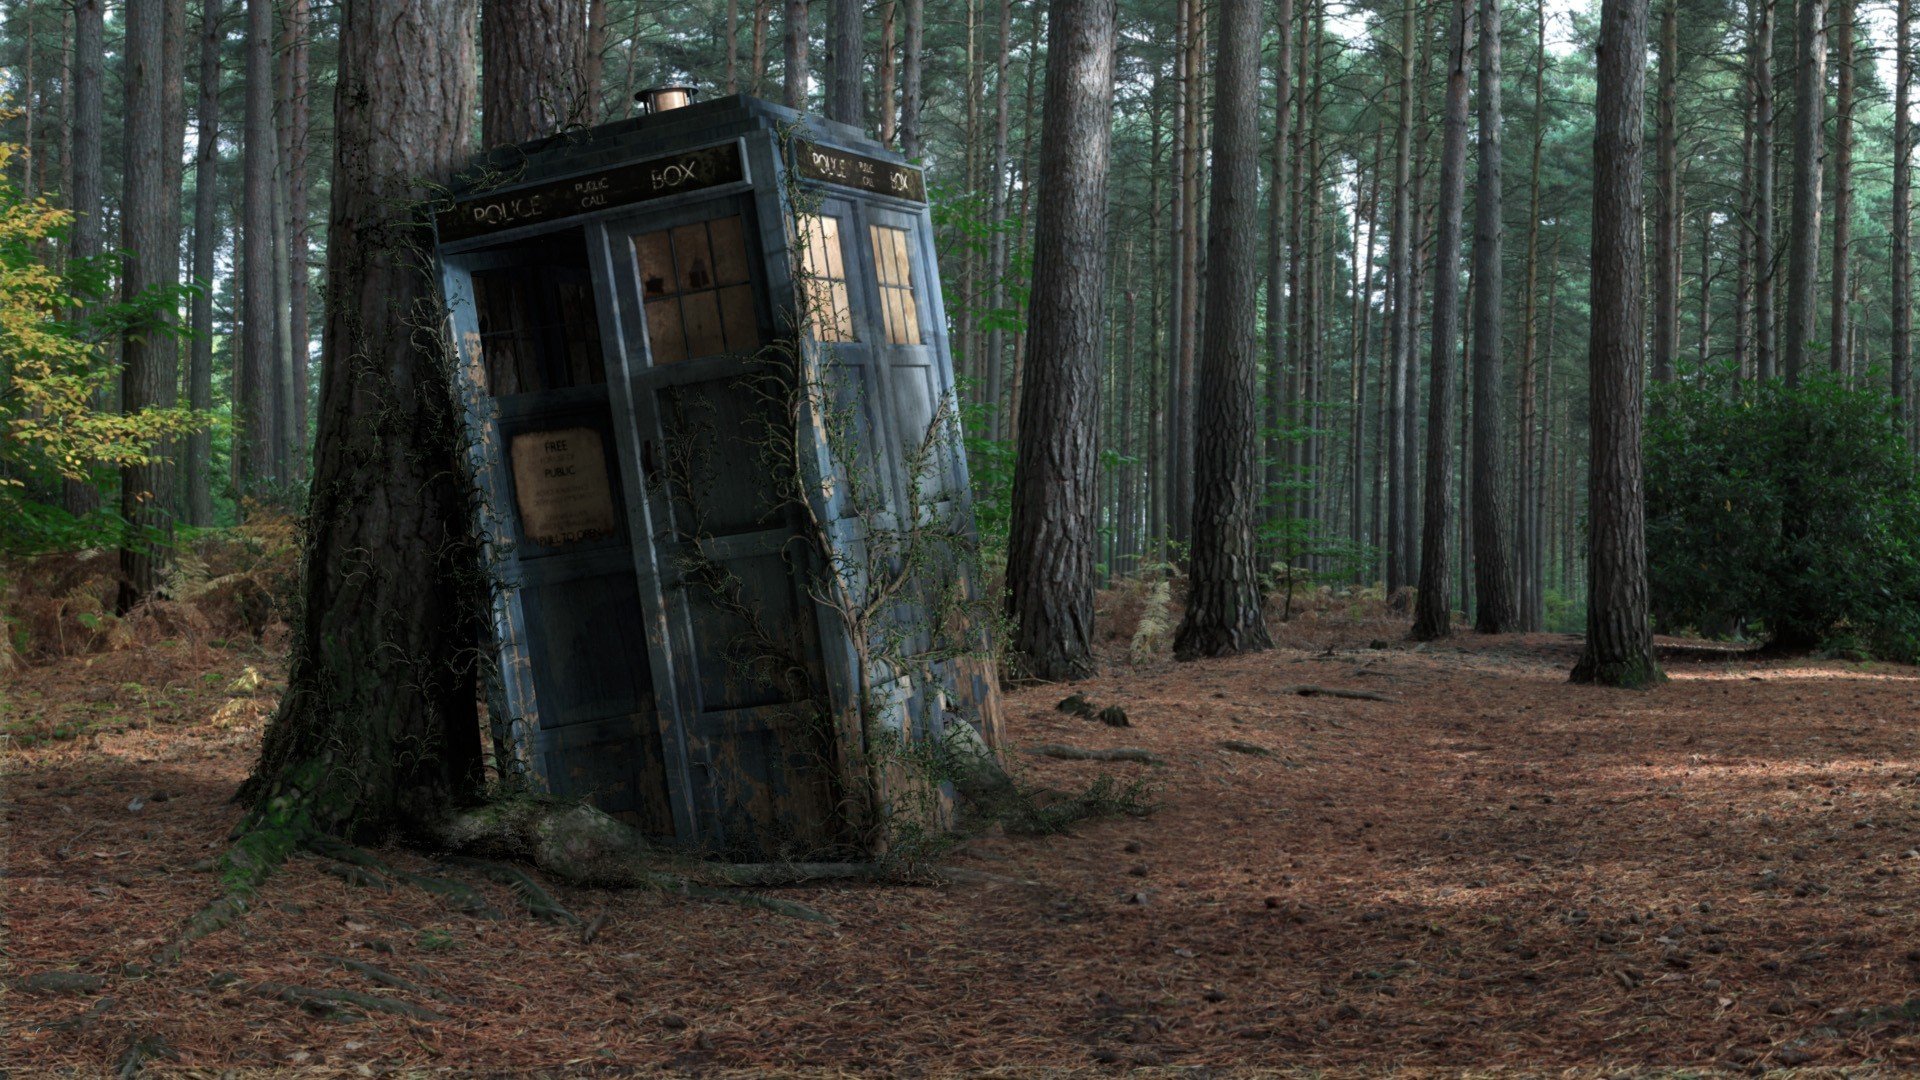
<point x="1491" y="868"/>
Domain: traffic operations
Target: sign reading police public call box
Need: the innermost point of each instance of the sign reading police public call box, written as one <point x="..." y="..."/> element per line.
<point x="835" y="166"/>
<point x="655" y="178"/>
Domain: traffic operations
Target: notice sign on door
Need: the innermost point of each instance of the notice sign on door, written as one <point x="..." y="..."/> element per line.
<point x="560" y="483"/>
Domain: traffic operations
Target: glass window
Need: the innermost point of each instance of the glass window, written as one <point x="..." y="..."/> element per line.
<point x="539" y="329"/>
<point x="893" y="266"/>
<point x="694" y="280"/>
<point x="823" y="280"/>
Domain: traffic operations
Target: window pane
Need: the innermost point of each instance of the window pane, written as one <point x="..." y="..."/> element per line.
<point x="701" y="314"/>
<point x="656" y="263"/>
<point x="663" y="331"/>
<point x="690" y="254"/>
<point x="737" y="315"/>
<point x="909" y="326"/>
<point x="729" y="250"/>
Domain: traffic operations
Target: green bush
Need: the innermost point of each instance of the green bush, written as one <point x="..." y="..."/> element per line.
<point x="1790" y="512"/>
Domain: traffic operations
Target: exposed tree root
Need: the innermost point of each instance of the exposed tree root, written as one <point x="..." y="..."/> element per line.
<point x="387" y="978"/>
<point x="1241" y="746"/>
<point x="1336" y="691"/>
<point x="357" y="875"/>
<point x="340" y="1004"/>
<point x="56" y="982"/>
<point x="80" y="1021"/>
<point x="142" y="1050"/>
<point x="539" y="902"/>
<point x="1076" y="753"/>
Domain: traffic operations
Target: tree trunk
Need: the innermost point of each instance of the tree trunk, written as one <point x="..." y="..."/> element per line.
<point x="87" y="238"/>
<point x="378" y="727"/>
<point x="845" y="44"/>
<point x="533" y="69"/>
<point x="1902" y="363"/>
<point x="1188" y="315"/>
<point x="1492" y="542"/>
<point x="147" y="375"/>
<point x="298" y="87"/>
<point x="1837" y="334"/>
<point x="206" y="242"/>
<point x="796" y="72"/>
<point x="889" y="114"/>
<point x="1803" y="241"/>
<point x="1766" y="359"/>
<point x="594" y="79"/>
<point x="1619" y="645"/>
<point x="1224" y="602"/>
<point x="1666" y="242"/>
<point x="1277" y="260"/>
<point x="254" y="415"/>
<point x="1433" y="615"/>
<point x="762" y="23"/>
<point x="995" y="356"/>
<point x="912" y="52"/>
<point x="1050" y="561"/>
<point x="732" y="46"/>
<point x="1401" y="329"/>
<point x="1743" y="227"/>
<point x="1530" y="611"/>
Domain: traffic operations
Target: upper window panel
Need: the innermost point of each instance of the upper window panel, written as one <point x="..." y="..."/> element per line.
<point x="539" y="329"/>
<point x="823" y="279"/>
<point x="893" y="266"/>
<point x="695" y="282"/>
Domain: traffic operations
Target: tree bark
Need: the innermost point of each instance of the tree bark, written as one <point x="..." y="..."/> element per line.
<point x="298" y="85"/>
<point x="1433" y="614"/>
<point x="533" y="69"/>
<point x="1223" y="615"/>
<point x="206" y="242"/>
<point x="884" y="93"/>
<point x="378" y="727"/>
<point x="1277" y="241"/>
<point x="1619" y="645"/>
<point x="87" y="238"/>
<point x="1050" y="558"/>
<point x="912" y="55"/>
<point x="1400" y="330"/>
<point x="845" y="44"/>
<point x="1492" y="542"/>
<point x="995" y="356"/>
<point x="254" y="414"/>
<point x="796" y="73"/>
<point x="1803" y="241"/>
<point x="1902" y="362"/>
<point x="147" y="377"/>
<point x="1837" y="332"/>
<point x="1766" y="358"/>
<point x="1666" y="243"/>
<point x="1530" y="611"/>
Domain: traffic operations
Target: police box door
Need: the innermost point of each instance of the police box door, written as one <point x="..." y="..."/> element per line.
<point x="732" y="564"/>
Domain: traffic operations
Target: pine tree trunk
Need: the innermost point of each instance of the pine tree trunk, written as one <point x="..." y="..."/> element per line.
<point x="1803" y="241"/>
<point x="594" y="79"/>
<point x="1743" y="228"/>
<point x="1666" y="243"/>
<point x="996" y="351"/>
<point x="1766" y="360"/>
<point x="1050" y="560"/>
<point x="1902" y="362"/>
<point x="1492" y="542"/>
<point x="1400" y="331"/>
<point x="206" y="242"/>
<point x="1223" y="612"/>
<point x="912" y="54"/>
<point x="533" y="66"/>
<point x="254" y="377"/>
<point x="1277" y="261"/>
<point x="1530" y="610"/>
<point x="148" y="373"/>
<point x="845" y="46"/>
<point x="378" y="727"/>
<point x="1433" y="615"/>
<point x="1837" y="332"/>
<point x="796" y="73"/>
<point x="762" y="25"/>
<point x="732" y="46"/>
<point x="1619" y="645"/>
<point x="87" y="237"/>
<point x="889" y="114"/>
<point x="298" y="87"/>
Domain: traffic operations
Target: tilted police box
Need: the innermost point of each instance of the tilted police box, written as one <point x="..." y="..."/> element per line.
<point x="613" y="295"/>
